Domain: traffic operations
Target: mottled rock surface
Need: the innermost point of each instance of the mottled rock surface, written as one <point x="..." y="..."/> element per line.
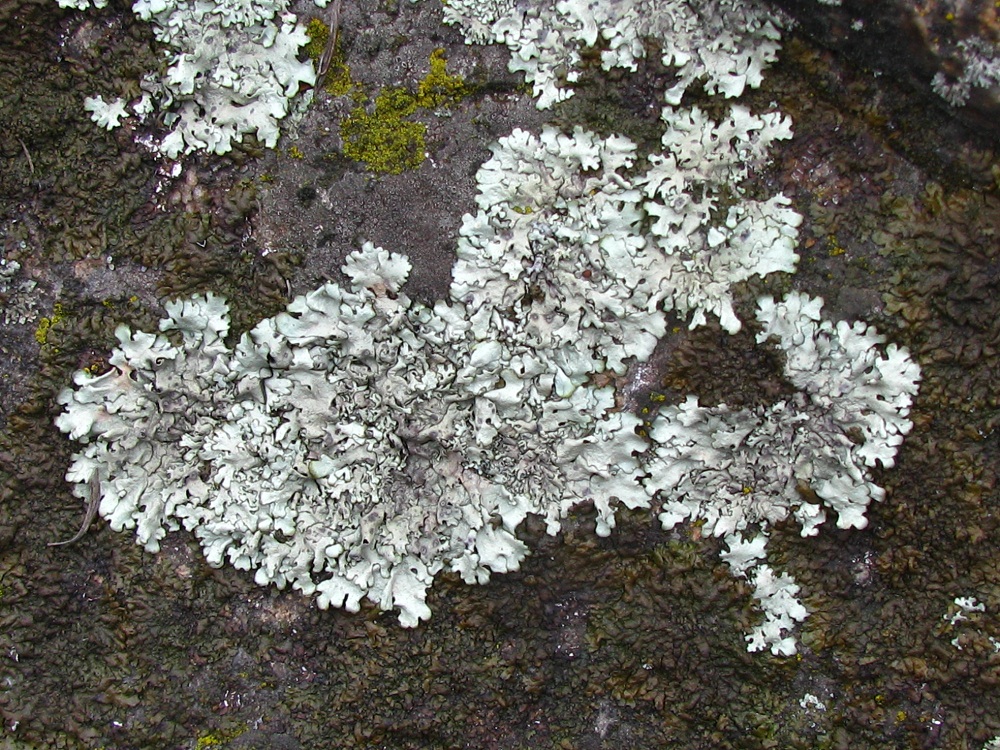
<point x="632" y="641"/>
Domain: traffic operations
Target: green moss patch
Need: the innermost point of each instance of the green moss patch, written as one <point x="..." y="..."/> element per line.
<point x="386" y="138"/>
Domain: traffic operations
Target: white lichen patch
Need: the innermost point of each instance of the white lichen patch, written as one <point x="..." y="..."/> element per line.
<point x="705" y="251"/>
<point x="231" y="70"/>
<point x="553" y="259"/>
<point x="738" y="472"/>
<point x="353" y="446"/>
<point x="576" y="255"/>
<point x="726" y="44"/>
<point x="846" y="373"/>
<point x="107" y="115"/>
<point x="777" y="597"/>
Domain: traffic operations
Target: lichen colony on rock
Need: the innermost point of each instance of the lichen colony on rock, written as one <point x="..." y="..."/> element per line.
<point x="361" y="442"/>
<point x="353" y="446"/>
<point x="724" y="43"/>
<point x="738" y="472"/>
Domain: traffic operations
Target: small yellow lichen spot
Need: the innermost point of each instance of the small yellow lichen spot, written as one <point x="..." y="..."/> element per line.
<point x="45" y="324"/>
<point x="338" y="76"/>
<point x="439" y="88"/>
<point x="339" y="81"/>
<point x="296" y="153"/>
<point x="523" y="210"/>
<point x="217" y="739"/>
<point x="747" y="490"/>
<point x="949" y="16"/>
<point x="42" y="332"/>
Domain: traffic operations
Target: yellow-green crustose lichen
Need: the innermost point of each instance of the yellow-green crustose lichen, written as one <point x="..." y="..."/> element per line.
<point x="337" y="80"/>
<point x="385" y="139"/>
<point x="45" y="324"/>
<point x="319" y="35"/>
<point x="439" y="88"/>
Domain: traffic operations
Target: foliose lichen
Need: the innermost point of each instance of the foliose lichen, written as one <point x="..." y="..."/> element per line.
<point x="232" y="71"/>
<point x="354" y="446"/>
<point x="360" y="443"/>
<point x="724" y="43"/>
<point x="741" y="471"/>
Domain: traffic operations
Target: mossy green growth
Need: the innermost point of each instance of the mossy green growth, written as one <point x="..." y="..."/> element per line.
<point x="384" y="139"/>
<point x="439" y="88"/>
<point x="319" y="34"/>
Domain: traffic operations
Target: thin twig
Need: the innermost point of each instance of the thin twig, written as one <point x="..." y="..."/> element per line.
<point x="24" y="148"/>
<point x="95" y="501"/>
<point x="331" y="43"/>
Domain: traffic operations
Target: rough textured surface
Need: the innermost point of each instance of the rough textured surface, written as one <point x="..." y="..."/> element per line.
<point x="563" y="278"/>
<point x="629" y="641"/>
<point x="946" y="46"/>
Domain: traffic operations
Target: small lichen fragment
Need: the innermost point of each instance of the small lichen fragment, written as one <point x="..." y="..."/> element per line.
<point x="45" y="324"/>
